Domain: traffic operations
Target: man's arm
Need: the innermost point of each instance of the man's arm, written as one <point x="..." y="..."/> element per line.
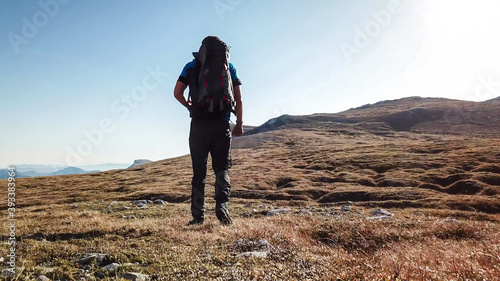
<point x="179" y="93"/>
<point x="238" y="129"/>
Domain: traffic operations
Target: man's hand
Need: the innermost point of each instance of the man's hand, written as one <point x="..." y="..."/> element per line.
<point x="238" y="130"/>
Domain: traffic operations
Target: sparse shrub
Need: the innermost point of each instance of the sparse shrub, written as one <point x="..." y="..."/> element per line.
<point x="355" y="237"/>
<point x="457" y="231"/>
<point x="128" y="231"/>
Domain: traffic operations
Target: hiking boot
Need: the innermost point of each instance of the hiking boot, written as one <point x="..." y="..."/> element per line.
<point x="222" y="213"/>
<point x="196" y="221"/>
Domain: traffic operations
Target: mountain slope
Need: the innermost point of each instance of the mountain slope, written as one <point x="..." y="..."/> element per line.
<point x="497" y="99"/>
<point x="41" y="169"/>
<point x="426" y="115"/>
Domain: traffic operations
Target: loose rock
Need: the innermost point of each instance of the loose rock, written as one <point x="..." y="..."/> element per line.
<point x="261" y="255"/>
<point x="140" y="202"/>
<point x="87" y="259"/>
<point x="275" y="212"/>
<point x="345" y="208"/>
<point x="159" y="202"/>
<point x="111" y="267"/>
<point x="135" y="276"/>
<point x="381" y="212"/>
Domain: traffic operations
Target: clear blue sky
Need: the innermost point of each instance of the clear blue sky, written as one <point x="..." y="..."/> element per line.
<point x="68" y="66"/>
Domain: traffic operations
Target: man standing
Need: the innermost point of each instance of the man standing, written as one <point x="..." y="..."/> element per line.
<point x="214" y="92"/>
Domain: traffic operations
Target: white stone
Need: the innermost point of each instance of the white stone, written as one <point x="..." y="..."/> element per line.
<point x="253" y="254"/>
<point x="275" y="212"/>
<point x="111" y="266"/>
<point x="381" y="212"/>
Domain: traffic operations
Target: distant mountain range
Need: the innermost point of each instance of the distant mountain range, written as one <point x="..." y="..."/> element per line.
<point x="64" y="171"/>
<point x="71" y="171"/>
<point x="48" y="169"/>
<point x="4" y="174"/>
<point x="36" y="170"/>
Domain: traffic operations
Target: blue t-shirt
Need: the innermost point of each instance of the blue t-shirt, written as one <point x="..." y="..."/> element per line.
<point x="184" y="79"/>
<point x="234" y="77"/>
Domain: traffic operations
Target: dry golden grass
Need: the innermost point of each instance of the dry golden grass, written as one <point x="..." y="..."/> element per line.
<point x="412" y="246"/>
<point x="443" y="189"/>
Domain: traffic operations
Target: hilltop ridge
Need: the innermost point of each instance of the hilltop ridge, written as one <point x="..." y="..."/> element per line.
<point x="425" y="115"/>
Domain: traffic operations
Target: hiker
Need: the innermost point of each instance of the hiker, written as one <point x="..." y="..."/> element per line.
<point x="214" y="92"/>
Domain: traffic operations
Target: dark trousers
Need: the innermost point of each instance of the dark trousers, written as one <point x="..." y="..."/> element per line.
<point x="214" y="137"/>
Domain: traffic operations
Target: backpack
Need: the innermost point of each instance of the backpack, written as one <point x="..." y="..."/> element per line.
<point x="210" y="84"/>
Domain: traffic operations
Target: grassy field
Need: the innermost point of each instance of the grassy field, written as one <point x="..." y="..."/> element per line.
<point x="443" y="192"/>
